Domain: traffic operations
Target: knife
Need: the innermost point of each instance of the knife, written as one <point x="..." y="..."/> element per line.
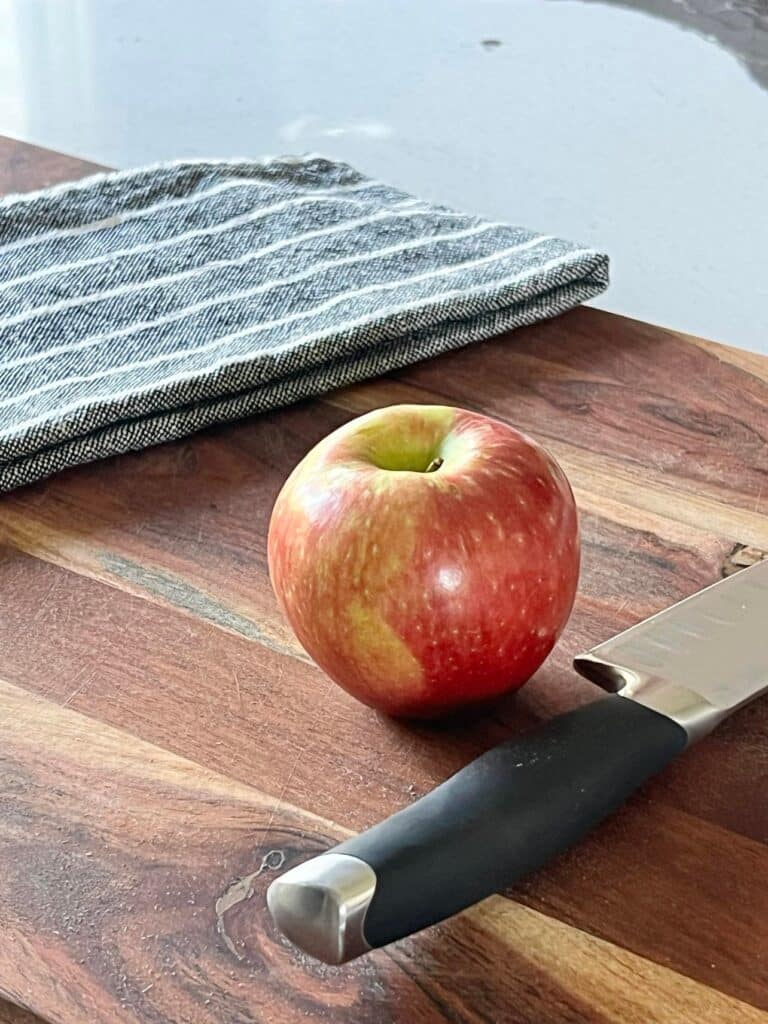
<point x="673" y="678"/>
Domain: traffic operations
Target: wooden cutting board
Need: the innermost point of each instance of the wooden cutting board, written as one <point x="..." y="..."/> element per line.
<point x="165" y="747"/>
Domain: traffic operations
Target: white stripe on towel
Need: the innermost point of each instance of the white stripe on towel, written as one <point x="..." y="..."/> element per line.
<point x="179" y="314"/>
<point x="402" y="209"/>
<point x="121" y="218"/>
<point x="326" y="195"/>
<point x="53" y="414"/>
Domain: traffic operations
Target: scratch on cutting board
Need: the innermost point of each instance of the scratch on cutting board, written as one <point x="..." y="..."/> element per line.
<point x="238" y="690"/>
<point x="239" y="891"/>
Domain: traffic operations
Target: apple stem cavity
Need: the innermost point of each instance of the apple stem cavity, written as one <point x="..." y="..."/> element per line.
<point x="435" y="464"/>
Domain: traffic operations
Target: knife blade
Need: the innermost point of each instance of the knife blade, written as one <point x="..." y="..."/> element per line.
<point x="672" y="679"/>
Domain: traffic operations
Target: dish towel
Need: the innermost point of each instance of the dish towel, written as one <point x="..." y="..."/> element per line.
<point x="140" y="306"/>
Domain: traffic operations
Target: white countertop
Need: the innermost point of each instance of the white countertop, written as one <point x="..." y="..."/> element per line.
<point x="643" y="133"/>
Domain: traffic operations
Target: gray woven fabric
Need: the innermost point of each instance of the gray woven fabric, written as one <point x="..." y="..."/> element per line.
<point x="140" y="306"/>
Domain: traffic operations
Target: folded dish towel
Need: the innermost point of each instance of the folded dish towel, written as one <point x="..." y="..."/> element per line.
<point x="139" y="306"/>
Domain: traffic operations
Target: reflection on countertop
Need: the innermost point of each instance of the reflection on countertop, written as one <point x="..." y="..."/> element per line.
<point x="739" y="26"/>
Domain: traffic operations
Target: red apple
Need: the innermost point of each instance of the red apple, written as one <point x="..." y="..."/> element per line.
<point x="426" y="557"/>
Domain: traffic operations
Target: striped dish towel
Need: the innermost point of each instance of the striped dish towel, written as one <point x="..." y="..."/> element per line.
<point x="140" y="306"/>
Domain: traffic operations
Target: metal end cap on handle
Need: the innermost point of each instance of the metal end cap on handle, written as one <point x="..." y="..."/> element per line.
<point x="320" y="906"/>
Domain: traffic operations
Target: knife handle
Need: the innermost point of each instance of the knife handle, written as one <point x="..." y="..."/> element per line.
<point x="497" y="820"/>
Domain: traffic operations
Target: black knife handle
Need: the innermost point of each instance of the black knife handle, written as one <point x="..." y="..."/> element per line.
<point x="508" y="813"/>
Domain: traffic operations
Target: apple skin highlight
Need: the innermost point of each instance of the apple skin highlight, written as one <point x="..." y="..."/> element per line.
<point x="426" y="557"/>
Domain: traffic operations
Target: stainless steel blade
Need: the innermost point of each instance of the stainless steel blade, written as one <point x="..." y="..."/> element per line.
<point x="698" y="660"/>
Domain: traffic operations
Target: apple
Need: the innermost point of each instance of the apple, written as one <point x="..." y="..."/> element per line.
<point x="426" y="557"/>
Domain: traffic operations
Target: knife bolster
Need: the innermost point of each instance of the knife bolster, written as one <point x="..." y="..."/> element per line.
<point x="689" y="709"/>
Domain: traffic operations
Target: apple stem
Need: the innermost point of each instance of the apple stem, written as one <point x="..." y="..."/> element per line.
<point x="436" y="463"/>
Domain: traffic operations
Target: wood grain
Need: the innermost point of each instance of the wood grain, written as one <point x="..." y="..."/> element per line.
<point x="752" y="363"/>
<point x="13" y="1014"/>
<point x="245" y="713"/>
<point x="135" y="592"/>
<point x="149" y="898"/>
<point x="601" y="382"/>
<point x="24" y="168"/>
<point x="208" y="574"/>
